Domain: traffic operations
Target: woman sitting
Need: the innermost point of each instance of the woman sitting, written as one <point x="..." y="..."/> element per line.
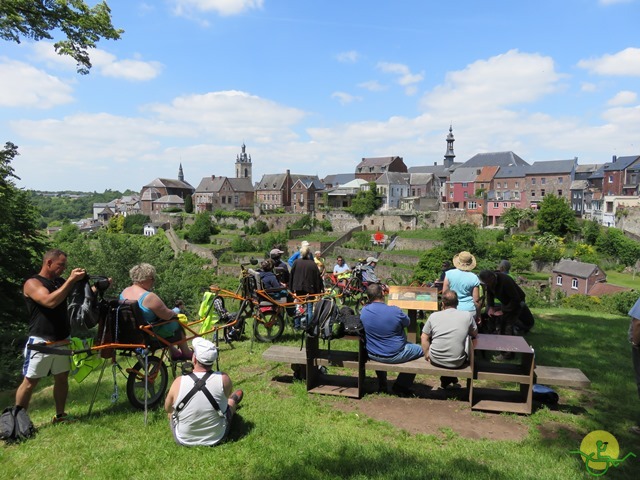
<point x="154" y="310"/>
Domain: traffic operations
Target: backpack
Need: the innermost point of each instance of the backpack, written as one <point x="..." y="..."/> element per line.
<point x="329" y="325"/>
<point x="323" y="321"/>
<point x="15" y="425"/>
<point x="120" y="322"/>
<point x="83" y="310"/>
<point x="352" y="325"/>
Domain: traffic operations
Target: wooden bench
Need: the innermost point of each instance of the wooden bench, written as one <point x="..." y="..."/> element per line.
<point x="557" y="376"/>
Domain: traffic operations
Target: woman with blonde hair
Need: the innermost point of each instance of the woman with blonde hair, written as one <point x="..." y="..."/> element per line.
<point x="143" y="278"/>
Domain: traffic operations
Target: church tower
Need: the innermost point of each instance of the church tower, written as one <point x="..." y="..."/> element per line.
<point x="180" y="173"/>
<point x="243" y="164"/>
<point x="449" y="156"/>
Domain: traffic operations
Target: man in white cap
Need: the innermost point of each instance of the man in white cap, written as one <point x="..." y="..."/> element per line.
<point x="296" y="255"/>
<point x="200" y="405"/>
<point x="280" y="268"/>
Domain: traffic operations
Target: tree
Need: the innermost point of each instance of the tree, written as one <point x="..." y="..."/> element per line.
<point x="82" y="25"/>
<point x="591" y="231"/>
<point x="366" y="201"/>
<point x="556" y="216"/>
<point x="134" y="223"/>
<point x="188" y="204"/>
<point x="201" y="230"/>
<point x="21" y="249"/>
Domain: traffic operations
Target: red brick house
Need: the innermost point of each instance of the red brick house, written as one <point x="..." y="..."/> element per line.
<point x="370" y="169"/>
<point x="573" y="277"/>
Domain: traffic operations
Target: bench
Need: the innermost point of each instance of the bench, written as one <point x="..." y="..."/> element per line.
<point x="556" y="376"/>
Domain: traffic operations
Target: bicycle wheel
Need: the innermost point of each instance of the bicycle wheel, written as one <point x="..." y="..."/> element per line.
<point x="359" y="301"/>
<point x="158" y="379"/>
<point x="269" y="326"/>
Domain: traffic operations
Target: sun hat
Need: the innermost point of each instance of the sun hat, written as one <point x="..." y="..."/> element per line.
<point x="205" y="351"/>
<point x="276" y="251"/>
<point x="464" y="261"/>
<point x="371" y="260"/>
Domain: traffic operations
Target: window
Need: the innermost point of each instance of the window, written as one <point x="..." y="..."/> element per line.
<point x="559" y="179"/>
<point x="451" y="195"/>
<point x="533" y="181"/>
<point x="498" y="186"/>
<point x="295" y="196"/>
<point x="517" y="185"/>
<point x="542" y="192"/>
<point x="466" y="194"/>
<point x="505" y="205"/>
<point x="224" y="199"/>
<point x="574" y="283"/>
<point x="543" y="181"/>
<point x="235" y="199"/>
<point x="559" y="280"/>
<point x="559" y="193"/>
<point x="610" y="178"/>
<point x="533" y="193"/>
<point x="482" y="185"/>
<point x="496" y="205"/>
<point x="472" y="205"/>
<point x="464" y="184"/>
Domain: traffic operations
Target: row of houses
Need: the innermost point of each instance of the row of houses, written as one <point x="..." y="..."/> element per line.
<point x="486" y="184"/>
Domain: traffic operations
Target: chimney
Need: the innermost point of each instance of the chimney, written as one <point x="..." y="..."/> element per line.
<point x="213" y="177"/>
<point x="614" y="158"/>
<point x="288" y="172"/>
<point x="435" y="164"/>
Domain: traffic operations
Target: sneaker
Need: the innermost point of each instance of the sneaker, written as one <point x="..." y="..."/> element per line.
<point x="63" y="418"/>
<point x="237" y="396"/>
<point x="635" y="429"/>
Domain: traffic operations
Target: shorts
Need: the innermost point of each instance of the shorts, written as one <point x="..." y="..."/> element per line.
<point x="228" y="416"/>
<point x="171" y="331"/>
<point x="39" y="365"/>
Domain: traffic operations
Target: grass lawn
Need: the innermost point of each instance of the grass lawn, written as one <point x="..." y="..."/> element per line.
<point x="623" y="279"/>
<point x="282" y="432"/>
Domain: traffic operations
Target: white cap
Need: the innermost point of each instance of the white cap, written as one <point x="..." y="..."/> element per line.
<point x="205" y="351"/>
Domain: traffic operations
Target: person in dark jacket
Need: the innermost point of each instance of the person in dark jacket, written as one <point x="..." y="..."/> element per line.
<point x="502" y="287"/>
<point x="305" y="280"/>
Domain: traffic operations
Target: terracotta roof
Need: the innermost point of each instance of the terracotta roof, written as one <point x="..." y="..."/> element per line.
<point x="600" y="289"/>
<point x="487" y="173"/>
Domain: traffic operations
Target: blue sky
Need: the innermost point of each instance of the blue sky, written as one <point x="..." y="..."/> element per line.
<point x="314" y="86"/>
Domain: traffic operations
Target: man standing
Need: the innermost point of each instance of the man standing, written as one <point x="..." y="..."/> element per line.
<point x="445" y="336"/>
<point x="386" y="339"/>
<point x="204" y="416"/>
<point x="502" y="287"/>
<point x="634" y="338"/>
<point x="46" y="297"/>
<point x="280" y="268"/>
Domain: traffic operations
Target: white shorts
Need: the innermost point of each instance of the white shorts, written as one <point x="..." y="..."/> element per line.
<point x="38" y="364"/>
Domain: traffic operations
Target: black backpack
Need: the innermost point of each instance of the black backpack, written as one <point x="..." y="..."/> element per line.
<point x="352" y="325"/>
<point x="15" y="425"/>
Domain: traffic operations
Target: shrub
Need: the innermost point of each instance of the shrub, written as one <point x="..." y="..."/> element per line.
<point x="620" y="302"/>
<point x="583" y="302"/>
<point x="242" y="244"/>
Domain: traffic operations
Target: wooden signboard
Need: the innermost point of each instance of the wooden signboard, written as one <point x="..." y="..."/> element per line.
<point x="414" y="298"/>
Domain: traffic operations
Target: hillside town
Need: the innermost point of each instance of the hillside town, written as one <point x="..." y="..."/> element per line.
<point x="480" y="188"/>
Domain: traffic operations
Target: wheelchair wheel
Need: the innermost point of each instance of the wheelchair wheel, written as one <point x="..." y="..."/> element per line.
<point x="158" y="379"/>
<point x="359" y="301"/>
<point x="269" y="326"/>
<point x="338" y="293"/>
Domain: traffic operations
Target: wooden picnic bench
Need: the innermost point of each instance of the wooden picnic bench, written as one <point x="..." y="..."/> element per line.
<point x="481" y="398"/>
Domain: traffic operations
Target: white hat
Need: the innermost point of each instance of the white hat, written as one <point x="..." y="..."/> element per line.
<point x="464" y="261"/>
<point x="276" y="251"/>
<point x="371" y="260"/>
<point x="205" y="351"/>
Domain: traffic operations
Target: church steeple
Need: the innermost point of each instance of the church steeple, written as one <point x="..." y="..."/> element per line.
<point x="180" y="173"/>
<point x="243" y="164"/>
<point x="449" y="156"/>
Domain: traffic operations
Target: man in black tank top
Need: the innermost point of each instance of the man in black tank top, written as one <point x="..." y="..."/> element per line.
<point x="46" y="297"/>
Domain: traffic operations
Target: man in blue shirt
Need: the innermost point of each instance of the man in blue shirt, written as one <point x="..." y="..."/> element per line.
<point x="384" y="328"/>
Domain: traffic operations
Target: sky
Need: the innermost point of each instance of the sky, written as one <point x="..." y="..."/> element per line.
<point x="315" y="86"/>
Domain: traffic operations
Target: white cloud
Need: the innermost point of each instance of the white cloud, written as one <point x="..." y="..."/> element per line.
<point x="348" y="57"/>
<point x="372" y="86"/>
<point x="22" y="85"/>
<point x="222" y="7"/>
<point x="613" y="2"/>
<point x="103" y="62"/>
<point x="345" y="98"/>
<point x="504" y="80"/>
<point x="624" y="63"/>
<point x="624" y="97"/>
<point x="405" y="77"/>
<point x="588" y="87"/>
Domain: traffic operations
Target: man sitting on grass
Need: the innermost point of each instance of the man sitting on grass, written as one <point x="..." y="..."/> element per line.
<point x="445" y="337"/>
<point x="205" y="417"/>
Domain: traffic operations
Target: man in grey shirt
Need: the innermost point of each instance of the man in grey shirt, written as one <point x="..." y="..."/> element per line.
<point x="445" y="336"/>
